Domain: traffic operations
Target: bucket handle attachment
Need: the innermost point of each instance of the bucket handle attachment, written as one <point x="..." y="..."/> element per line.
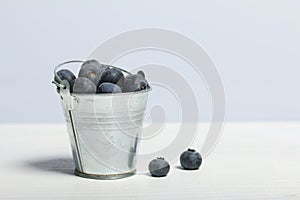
<point x="70" y="102"/>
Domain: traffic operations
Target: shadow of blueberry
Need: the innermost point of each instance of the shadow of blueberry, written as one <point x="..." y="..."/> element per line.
<point x="180" y="167"/>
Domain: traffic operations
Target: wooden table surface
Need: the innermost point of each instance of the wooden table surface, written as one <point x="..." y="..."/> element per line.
<point x="254" y="160"/>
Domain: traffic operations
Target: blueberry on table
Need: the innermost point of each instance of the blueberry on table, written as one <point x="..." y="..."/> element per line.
<point x="108" y="88"/>
<point x="159" y="167"/>
<point x="141" y="73"/>
<point x="64" y="74"/>
<point x="84" y="85"/>
<point x="112" y="75"/>
<point x="92" y="71"/>
<point x="190" y="159"/>
<point x="134" y="83"/>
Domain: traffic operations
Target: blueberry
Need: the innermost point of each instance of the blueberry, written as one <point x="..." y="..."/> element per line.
<point x="64" y="74"/>
<point x="92" y="70"/>
<point x="112" y="75"/>
<point x="72" y="85"/>
<point x="190" y="159"/>
<point x="108" y="88"/>
<point x="84" y="85"/>
<point x="159" y="167"/>
<point x="141" y="73"/>
<point x="94" y="63"/>
<point x="135" y="82"/>
<point x="91" y="62"/>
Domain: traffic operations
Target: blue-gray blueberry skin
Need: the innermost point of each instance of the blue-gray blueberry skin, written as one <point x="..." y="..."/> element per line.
<point x="91" y="62"/>
<point x="159" y="167"/>
<point x="84" y="85"/>
<point x="134" y="83"/>
<point x="92" y="70"/>
<point x="72" y="85"/>
<point x="65" y="74"/>
<point x="108" y="88"/>
<point x="112" y="75"/>
<point x="141" y="73"/>
<point x="94" y="63"/>
<point x="190" y="159"/>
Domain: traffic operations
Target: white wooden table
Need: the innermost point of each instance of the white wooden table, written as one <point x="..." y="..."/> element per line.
<point x="251" y="161"/>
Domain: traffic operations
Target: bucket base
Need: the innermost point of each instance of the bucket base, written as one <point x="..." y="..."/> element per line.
<point x="104" y="176"/>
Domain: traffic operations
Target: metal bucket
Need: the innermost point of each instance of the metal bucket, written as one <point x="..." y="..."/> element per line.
<point x="104" y="130"/>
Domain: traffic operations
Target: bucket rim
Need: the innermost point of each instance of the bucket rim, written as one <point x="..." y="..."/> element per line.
<point x="111" y="94"/>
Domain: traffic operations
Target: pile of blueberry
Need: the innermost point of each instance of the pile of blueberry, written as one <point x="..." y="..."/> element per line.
<point x="94" y="77"/>
<point x="189" y="160"/>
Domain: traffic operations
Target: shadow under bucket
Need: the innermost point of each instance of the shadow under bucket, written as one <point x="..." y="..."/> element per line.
<point x="104" y="130"/>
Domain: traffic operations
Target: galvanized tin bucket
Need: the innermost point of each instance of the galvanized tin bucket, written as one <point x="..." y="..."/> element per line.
<point x="104" y="130"/>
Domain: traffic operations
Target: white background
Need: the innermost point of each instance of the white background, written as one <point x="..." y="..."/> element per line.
<point x="254" y="44"/>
